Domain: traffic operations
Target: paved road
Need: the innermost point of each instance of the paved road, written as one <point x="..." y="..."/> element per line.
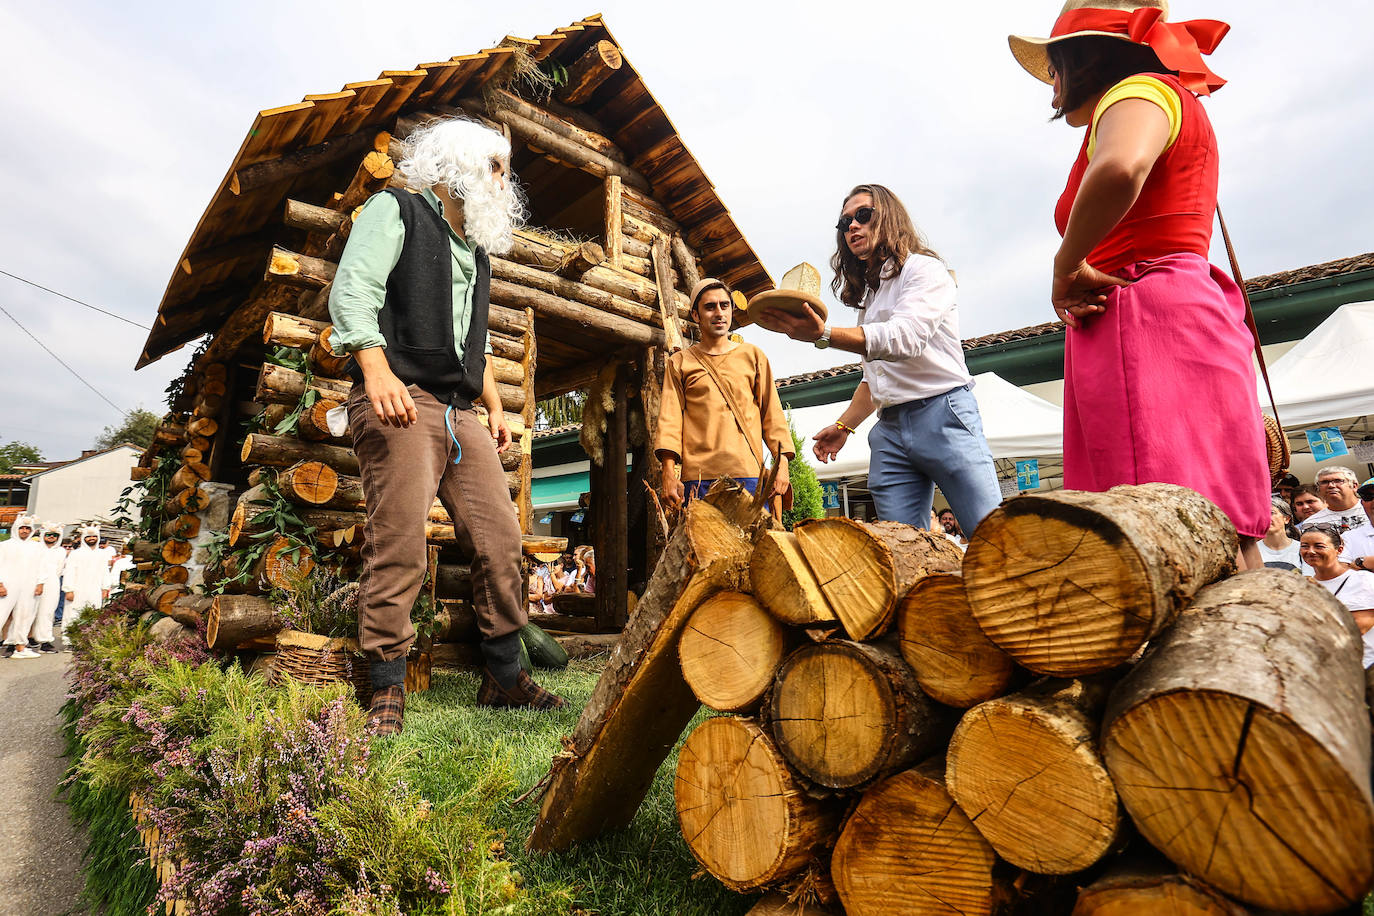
<point x="40" y="848"/>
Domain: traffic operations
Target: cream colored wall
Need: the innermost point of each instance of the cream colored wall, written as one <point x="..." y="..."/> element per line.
<point x="83" y="490"/>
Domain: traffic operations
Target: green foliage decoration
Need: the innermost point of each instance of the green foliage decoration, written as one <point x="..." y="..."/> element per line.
<point x="806" y="488"/>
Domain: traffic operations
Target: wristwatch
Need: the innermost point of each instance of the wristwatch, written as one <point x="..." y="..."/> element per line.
<point x="1358" y="563"/>
<point x="824" y="340"/>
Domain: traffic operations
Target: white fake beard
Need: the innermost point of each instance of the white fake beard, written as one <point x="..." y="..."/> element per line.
<point x="489" y="215"/>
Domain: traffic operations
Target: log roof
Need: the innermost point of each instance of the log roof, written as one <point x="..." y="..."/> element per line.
<point x="224" y="259"/>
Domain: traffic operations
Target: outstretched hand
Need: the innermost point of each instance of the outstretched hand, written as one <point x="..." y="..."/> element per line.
<point x="500" y="432"/>
<point x="807" y="328"/>
<point x="1081" y="292"/>
<point x="828" y="441"/>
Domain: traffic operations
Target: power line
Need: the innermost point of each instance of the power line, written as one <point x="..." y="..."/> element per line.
<point x="77" y="301"/>
<point x="59" y="359"/>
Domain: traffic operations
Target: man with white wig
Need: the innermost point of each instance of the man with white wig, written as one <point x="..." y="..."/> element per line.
<point x="86" y="577"/>
<point x="21" y="568"/>
<point x="54" y="561"/>
<point x="410" y="302"/>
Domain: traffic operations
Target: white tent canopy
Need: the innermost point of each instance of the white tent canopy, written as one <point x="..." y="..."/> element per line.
<point x="1017" y="424"/>
<point x="1326" y="376"/>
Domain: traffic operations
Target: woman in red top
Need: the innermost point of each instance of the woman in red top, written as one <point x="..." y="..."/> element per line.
<point x="1158" y="379"/>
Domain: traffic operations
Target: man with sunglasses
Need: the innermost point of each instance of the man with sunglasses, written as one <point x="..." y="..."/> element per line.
<point x="1337" y="486"/>
<point x="929" y="432"/>
<point x="54" y="561"/>
<point x="1357" y="544"/>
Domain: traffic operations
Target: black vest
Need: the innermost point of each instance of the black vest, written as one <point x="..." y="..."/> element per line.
<point x="417" y="319"/>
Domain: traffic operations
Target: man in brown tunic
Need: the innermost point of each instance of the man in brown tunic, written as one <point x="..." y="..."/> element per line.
<point x="720" y="415"/>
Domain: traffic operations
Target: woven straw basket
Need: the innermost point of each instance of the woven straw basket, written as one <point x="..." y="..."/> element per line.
<point x="1276" y="443"/>
<point x="320" y="660"/>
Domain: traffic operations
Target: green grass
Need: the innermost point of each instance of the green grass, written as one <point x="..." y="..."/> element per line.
<point x="643" y="870"/>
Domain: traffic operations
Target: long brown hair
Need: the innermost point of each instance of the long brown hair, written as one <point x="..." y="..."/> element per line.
<point x="894" y="236"/>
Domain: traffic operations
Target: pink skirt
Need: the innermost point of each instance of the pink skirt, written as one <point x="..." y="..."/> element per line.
<point x="1161" y="388"/>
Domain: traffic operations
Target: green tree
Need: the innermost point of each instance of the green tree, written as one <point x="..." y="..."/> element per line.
<point x="17" y="453"/>
<point x="806" y="489"/>
<point x="136" y="428"/>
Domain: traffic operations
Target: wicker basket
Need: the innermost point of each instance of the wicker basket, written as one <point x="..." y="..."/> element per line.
<point x="320" y="660"/>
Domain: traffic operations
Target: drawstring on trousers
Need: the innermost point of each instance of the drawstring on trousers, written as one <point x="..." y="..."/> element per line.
<point x="448" y="424"/>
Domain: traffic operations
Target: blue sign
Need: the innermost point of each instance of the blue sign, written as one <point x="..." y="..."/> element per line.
<point x="1028" y="474"/>
<point x="548" y="517"/>
<point x="1327" y="442"/>
<point x="830" y="494"/>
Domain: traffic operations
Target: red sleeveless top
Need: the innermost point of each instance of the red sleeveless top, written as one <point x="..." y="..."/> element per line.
<point x="1174" y="211"/>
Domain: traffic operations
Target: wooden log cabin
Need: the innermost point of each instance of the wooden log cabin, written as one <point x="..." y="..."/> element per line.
<point x="623" y="221"/>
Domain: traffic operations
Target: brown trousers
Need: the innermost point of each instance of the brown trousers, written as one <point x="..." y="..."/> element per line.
<point x="402" y="471"/>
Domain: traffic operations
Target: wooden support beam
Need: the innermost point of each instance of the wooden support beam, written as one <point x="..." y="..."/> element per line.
<point x="686" y="263"/>
<point x="662" y="256"/>
<point x="614" y="220"/>
<point x="536" y="279"/>
<point x="311" y="218"/>
<point x="551" y="120"/>
<point x="610" y="496"/>
<point x="601" y="323"/>
<point x="271" y="171"/>
<point x="296" y="269"/>
<point x="568" y="151"/>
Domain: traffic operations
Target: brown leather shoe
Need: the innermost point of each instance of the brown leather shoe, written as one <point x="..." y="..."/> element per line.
<point x="388" y="710"/>
<point x="525" y="693"/>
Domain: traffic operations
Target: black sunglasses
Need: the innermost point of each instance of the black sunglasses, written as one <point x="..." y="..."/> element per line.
<point x="861" y="216"/>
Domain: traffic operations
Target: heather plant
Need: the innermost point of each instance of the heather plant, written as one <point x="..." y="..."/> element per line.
<point x="320" y="603"/>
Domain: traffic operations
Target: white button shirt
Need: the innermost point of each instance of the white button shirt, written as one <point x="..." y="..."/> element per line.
<point x="912" y="348"/>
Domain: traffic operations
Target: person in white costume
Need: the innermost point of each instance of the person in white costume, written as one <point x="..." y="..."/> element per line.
<point x="21" y="564"/>
<point x="122" y="561"/>
<point x="54" y="560"/>
<point x="86" y="578"/>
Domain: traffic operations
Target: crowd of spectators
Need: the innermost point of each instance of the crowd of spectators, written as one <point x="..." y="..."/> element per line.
<point x="573" y="573"/>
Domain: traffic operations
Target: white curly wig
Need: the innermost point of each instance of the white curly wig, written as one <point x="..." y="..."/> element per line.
<point x="457" y="154"/>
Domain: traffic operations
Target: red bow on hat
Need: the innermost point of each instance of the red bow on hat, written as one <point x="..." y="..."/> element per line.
<point x="1179" y="45"/>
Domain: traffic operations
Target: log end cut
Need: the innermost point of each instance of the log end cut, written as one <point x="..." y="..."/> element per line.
<point x="742" y="813"/>
<point x="729" y="651"/>
<point x="783" y="582"/>
<point x="953" y="659"/>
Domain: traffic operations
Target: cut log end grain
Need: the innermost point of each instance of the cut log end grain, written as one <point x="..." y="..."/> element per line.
<point x="1240" y="745"/>
<point x="953" y="659"/>
<point x="1027" y="771"/>
<point x="176" y="552"/>
<point x="730" y="650"/>
<point x="863" y="568"/>
<point x="1073" y="583"/>
<point x="311" y="482"/>
<point x="847" y="713"/>
<point x="783" y="582"/>
<point x="742" y="813"/>
<point x="907" y="850"/>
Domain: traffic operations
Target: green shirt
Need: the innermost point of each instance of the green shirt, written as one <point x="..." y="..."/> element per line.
<point x="374" y="247"/>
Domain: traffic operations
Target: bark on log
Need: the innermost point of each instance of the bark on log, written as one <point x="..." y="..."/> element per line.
<point x="280" y="385"/>
<point x="144" y="551"/>
<point x="456" y="621"/>
<point x="500" y="98"/>
<point x="568" y="151"/>
<point x="783" y="582"/>
<point x="202" y="427"/>
<point x="285" y="330"/>
<point x="313" y="424"/>
<point x="543" y="253"/>
<point x="1027" y="771"/>
<point x="282" y="566"/>
<point x="188" y="476"/>
<point x="615" y="238"/>
<point x="954" y="662"/>
<point x="847" y="713"/>
<point x="641" y="704"/>
<point x="1238" y="763"/>
<point x="556" y="285"/>
<point x="371" y="176"/>
<point x="453" y="580"/>
<point x="1072" y="583"/>
<point x="581" y="259"/>
<point x="313" y="483"/>
<point x="730" y="650"/>
<point x="163" y="597"/>
<point x="301" y="161"/>
<point x="322" y="358"/>
<point x="686" y="261"/>
<point x="311" y="218"/>
<point x="191" y="500"/>
<point x="864" y="568"/>
<point x="589" y="71"/>
<point x="1128" y="889"/>
<point x="174" y="575"/>
<point x="907" y="850"/>
<point x="743" y="814"/>
<point x="776" y="903"/>
<point x="584" y="316"/>
<point x="138" y="473"/>
<point x="457" y="655"/>
<point x="189" y="610"/>
<point x="235" y="619"/>
<point x="296" y="269"/>
<point x="663" y="279"/>
<point x="280" y="452"/>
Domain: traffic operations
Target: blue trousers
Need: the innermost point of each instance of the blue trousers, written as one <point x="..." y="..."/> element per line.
<point x="696" y="489"/>
<point x="933" y="441"/>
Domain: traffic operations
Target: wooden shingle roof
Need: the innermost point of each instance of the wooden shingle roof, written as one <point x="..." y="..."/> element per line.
<point x="322" y="137"/>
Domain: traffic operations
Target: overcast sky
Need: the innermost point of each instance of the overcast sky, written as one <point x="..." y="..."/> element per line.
<point x="121" y="119"/>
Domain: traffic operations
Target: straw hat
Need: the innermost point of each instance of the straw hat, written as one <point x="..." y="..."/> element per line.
<point x="1179" y="45"/>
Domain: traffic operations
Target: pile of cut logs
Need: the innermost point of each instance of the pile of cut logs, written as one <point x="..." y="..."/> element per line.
<point x="911" y="731"/>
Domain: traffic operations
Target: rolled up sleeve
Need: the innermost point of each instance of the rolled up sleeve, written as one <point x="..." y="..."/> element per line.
<point x="359" y="289"/>
<point x="670" y="410"/>
<point x="926" y="297"/>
